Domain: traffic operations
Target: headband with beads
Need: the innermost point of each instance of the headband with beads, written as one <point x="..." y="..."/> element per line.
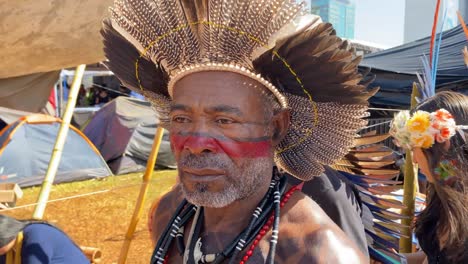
<point x="226" y="67"/>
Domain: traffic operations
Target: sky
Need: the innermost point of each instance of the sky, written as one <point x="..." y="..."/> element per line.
<point x="380" y="21"/>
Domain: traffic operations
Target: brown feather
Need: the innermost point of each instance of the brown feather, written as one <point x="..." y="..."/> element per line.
<point x="122" y="56"/>
<point x="323" y="63"/>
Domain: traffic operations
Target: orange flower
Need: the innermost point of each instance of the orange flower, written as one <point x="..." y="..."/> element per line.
<point x="425" y="141"/>
<point x="445" y="132"/>
<point x="419" y="122"/>
<point x="442" y="115"/>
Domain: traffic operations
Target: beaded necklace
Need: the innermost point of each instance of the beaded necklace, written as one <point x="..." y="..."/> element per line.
<point x="264" y="217"/>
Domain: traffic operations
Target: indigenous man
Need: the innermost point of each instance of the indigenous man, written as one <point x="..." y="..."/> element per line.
<point x="243" y="90"/>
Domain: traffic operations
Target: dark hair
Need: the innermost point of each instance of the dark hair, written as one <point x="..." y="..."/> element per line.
<point x="9" y="229"/>
<point x="446" y="214"/>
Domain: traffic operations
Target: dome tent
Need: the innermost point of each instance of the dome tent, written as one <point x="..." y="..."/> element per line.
<point x="26" y="148"/>
<point x="123" y="130"/>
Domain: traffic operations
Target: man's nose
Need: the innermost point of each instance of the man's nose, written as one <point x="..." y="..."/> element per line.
<point x="199" y="139"/>
<point x="198" y="144"/>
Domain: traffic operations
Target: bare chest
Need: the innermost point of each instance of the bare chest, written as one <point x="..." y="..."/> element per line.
<point x="216" y="244"/>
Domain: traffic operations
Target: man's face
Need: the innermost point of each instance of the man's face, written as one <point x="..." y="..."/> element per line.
<point x="221" y="137"/>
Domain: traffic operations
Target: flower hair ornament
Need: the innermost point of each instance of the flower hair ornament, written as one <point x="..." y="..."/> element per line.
<point x="423" y="129"/>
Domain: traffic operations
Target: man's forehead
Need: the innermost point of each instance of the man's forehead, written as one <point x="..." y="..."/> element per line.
<point x="216" y="89"/>
<point x="225" y="108"/>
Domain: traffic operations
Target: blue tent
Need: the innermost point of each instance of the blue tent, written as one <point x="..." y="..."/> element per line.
<point x="395" y="69"/>
<point x="26" y="148"/>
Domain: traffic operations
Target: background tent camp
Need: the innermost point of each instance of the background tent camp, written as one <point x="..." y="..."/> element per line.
<point x="395" y="69"/>
<point x="26" y="147"/>
<point x="123" y="130"/>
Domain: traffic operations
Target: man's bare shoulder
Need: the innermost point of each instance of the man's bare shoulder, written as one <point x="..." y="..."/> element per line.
<point x="163" y="211"/>
<point x="308" y="235"/>
<point x="302" y="209"/>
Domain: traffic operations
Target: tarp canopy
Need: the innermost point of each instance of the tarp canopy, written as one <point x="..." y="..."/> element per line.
<point x="396" y="68"/>
<point x="9" y="116"/>
<point x="46" y="35"/>
<point x="123" y="130"/>
<point x="26" y="148"/>
<point x="27" y="93"/>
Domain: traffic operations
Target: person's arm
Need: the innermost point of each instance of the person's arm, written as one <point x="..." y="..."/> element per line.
<point x="36" y="247"/>
<point x="44" y="243"/>
<point x="337" y="198"/>
<point x="327" y="244"/>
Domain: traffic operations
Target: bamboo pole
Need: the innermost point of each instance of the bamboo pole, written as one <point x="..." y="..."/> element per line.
<point x="59" y="143"/>
<point x="142" y="196"/>
<point x="94" y="255"/>
<point x="409" y="189"/>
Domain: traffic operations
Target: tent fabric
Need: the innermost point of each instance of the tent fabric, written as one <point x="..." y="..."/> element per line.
<point x="27" y="145"/>
<point x="81" y="115"/>
<point x="28" y="93"/>
<point x="10" y="116"/>
<point x="47" y="35"/>
<point x="123" y="130"/>
<point x="395" y="69"/>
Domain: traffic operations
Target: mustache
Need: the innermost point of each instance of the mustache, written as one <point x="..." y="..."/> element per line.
<point x="205" y="160"/>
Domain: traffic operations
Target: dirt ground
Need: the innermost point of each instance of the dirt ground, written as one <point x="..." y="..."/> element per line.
<point x="101" y="218"/>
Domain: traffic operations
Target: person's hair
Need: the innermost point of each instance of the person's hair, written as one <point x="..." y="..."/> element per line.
<point x="446" y="214"/>
<point x="10" y="227"/>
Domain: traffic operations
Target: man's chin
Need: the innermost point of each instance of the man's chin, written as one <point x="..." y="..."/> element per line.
<point x="206" y="198"/>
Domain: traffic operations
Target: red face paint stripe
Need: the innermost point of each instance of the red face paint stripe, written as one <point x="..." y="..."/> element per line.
<point x="234" y="149"/>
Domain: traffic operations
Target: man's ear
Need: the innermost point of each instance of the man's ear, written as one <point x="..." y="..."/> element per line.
<point x="281" y="121"/>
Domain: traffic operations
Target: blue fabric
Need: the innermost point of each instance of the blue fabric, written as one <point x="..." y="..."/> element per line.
<point x="136" y="95"/>
<point x="395" y="69"/>
<point x="66" y="90"/>
<point x="28" y="165"/>
<point x="45" y="244"/>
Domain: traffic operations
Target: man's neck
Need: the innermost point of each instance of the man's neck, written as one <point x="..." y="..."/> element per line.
<point x="234" y="217"/>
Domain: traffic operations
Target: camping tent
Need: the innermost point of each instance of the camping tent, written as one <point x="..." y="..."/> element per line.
<point x="395" y="69"/>
<point x="123" y="130"/>
<point x="8" y="116"/>
<point x="26" y="147"/>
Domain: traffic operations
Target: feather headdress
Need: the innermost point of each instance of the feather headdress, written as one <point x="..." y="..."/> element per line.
<point x="151" y="44"/>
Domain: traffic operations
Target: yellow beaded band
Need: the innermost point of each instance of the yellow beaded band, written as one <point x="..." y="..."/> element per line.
<point x="179" y="74"/>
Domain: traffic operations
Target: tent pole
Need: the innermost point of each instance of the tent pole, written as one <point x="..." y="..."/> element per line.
<point x="142" y="196"/>
<point x="59" y="143"/>
<point x="409" y="190"/>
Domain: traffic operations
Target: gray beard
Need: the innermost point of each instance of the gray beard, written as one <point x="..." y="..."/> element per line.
<point x="241" y="184"/>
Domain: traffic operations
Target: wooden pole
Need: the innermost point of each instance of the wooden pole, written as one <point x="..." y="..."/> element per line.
<point x="59" y="143"/>
<point x="142" y="196"/>
<point x="409" y="190"/>
<point x="94" y="255"/>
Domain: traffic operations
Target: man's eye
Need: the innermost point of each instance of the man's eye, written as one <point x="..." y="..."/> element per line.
<point x="224" y="121"/>
<point x="180" y="119"/>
